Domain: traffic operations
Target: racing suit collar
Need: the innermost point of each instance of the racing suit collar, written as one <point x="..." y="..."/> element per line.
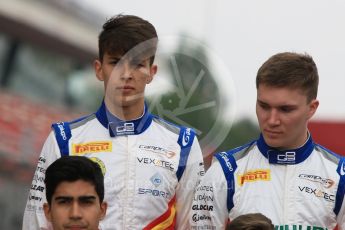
<point x="118" y="127"/>
<point x="291" y="156"/>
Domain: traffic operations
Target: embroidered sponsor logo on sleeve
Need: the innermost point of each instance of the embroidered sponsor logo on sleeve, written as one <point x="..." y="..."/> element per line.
<point x="227" y="161"/>
<point x="342" y="169"/>
<point x="186" y="137"/>
<point x="92" y="147"/>
<point x="62" y="130"/>
<point x="254" y="175"/>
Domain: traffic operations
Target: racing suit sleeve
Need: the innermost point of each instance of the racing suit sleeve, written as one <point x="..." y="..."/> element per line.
<point x="34" y="217"/>
<point x="187" y="184"/>
<point x="209" y="208"/>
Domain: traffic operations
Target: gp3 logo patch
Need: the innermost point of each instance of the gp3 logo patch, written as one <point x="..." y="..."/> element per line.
<point x="286" y="157"/>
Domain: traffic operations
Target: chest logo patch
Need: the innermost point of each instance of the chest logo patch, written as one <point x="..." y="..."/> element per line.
<point x="254" y="175"/>
<point x="92" y="147"/>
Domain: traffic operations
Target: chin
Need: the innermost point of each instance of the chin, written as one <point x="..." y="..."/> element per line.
<point x="126" y="103"/>
<point x="274" y="143"/>
<point x="122" y="102"/>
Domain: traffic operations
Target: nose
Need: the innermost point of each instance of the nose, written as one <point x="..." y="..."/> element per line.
<point x="127" y="71"/>
<point x="75" y="211"/>
<point x="274" y="118"/>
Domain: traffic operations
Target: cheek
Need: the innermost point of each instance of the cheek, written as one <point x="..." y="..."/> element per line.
<point x="144" y="71"/>
<point x="141" y="80"/>
<point x="59" y="216"/>
<point x="92" y="216"/>
<point x="261" y="115"/>
<point x="142" y="76"/>
<point x="258" y="113"/>
<point x="294" y="123"/>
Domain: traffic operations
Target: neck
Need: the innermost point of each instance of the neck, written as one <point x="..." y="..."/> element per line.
<point x="299" y="142"/>
<point x="126" y="112"/>
<point x="287" y="156"/>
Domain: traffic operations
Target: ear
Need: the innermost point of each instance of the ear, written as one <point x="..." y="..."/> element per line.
<point x="104" y="207"/>
<point x="97" y="65"/>
<point x="153" y="71"/>
<point x="313" y="105"/>
<point x="47" y="212"/>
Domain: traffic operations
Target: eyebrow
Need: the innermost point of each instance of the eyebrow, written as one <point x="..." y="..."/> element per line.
<point x="261" y="102"/>
<point x="280" y="106"/>
<point x="80" y="198"/>
<point x="86" y="198"/>
<point x="114" y="58"/>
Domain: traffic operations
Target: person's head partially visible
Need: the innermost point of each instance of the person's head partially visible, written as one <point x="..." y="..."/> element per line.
<point x="287" y="85"/>
<point x="75" y="193"/>
<point x="252" y="221"/>
<point x="127" y="47"/>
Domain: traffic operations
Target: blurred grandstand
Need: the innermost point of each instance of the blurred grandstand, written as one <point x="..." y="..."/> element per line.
<point x="46" y="53"/>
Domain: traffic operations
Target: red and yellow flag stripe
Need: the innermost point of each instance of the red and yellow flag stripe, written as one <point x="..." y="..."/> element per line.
<point x="167" y="220"/>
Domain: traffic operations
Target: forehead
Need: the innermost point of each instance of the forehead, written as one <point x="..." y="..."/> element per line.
<point x="75" y="189"/>
<point x="280" y="95"/>
<point x="127" y="56"/>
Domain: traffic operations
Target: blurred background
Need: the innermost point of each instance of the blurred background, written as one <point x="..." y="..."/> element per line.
<point x="206" y="78"/>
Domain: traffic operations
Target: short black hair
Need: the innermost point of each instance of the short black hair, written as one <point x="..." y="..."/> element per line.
<point x="73" y="168"/>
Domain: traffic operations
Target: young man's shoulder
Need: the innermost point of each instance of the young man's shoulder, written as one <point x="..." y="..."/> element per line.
<point x="74" y="123"/>
<point x="238" y="152"/>
<point x="169" y="125"/>
<point x="328" y="154"/>
<point x="64" y="129"/>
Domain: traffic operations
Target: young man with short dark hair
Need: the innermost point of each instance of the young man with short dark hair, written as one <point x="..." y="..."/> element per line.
<point x="284" y="175"/>
<point x="75" y="193"/>
<point x="151" y="166"/>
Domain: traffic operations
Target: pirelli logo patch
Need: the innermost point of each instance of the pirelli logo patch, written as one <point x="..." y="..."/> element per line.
<point x="254" y="175"/>
<point x="92" y="147"/>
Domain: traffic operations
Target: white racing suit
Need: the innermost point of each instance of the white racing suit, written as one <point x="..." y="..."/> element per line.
<point x="151" y="169"/>
<point x="298" y="189"/>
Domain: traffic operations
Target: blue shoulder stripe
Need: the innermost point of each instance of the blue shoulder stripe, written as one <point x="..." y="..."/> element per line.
<point x="63" y="134"/>
<point x="341" y="187"/>
<point x="228" y="163"/>
<point x="185" y="140"/>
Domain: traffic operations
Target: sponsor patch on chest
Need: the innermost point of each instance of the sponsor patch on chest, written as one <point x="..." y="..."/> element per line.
<point x="254" y="175"/>
<point x="91" y="147"/>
